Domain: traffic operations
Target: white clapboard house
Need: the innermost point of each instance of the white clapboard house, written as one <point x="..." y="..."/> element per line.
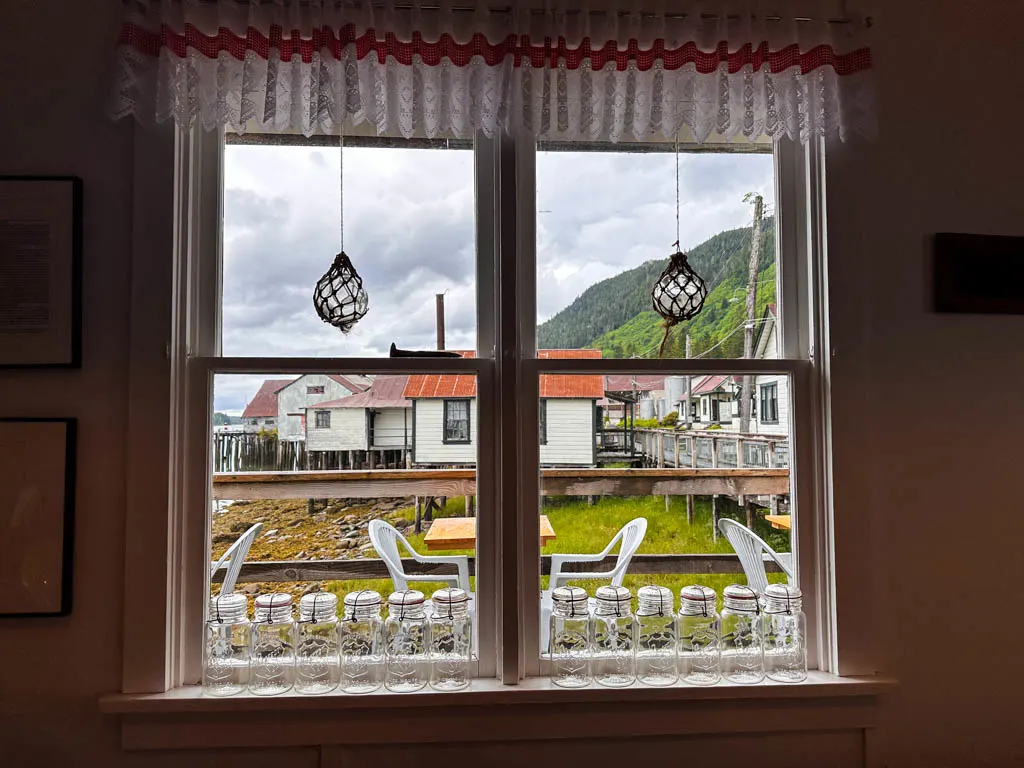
<point x="771" y="392"/>
<point x="444" y="409"/>
<point x="378" y="419"/>
<point x="312" y="389"/>
<point x="260" y="413"/>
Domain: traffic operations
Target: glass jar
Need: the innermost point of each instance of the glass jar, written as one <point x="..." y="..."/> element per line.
<point x="272" y="661"/>
<point x="742" y="648"/>
<point x="451" y="640"/>
<point x="656" y="636"/>
<point x="317" y="658"/>
<point x="613" y="637"/>
<point x="406" y="641"/>
<point x="569" y="633"/>
<point x="226" y="653"/>
<point x="699" y="636"/>
<point x="785" y="634"/>
<point x="362" y="645"/>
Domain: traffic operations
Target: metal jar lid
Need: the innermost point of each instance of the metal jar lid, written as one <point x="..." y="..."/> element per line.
<point x="274" y="601"/>
<point x="782" y="598"/>
<point x="614" y="595"/>
<point x="406" y="597"/>
<point x="697" y="600"/>
<point x="569" y="595"/>
<point x="228" y="608"/>
<point x="654" y="600"/>
<point x="450" y="596"/>
<point x="364" y="598"/>
<point x="318" y="604"/>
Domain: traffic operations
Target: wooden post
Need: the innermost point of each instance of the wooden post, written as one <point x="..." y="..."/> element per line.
<point x="714" y="517"/>
<point x="428" y="509"/>
<point x="351" y="459"/>
<point x="675" y="440"/>
<point x="714" y="453"/>
<point x="739" y="453"/>
<point x="418" y="511"/>
<point x="666" y="503"/>
<point x="693" y="452"/>
<point x="689" y="509"/>
<point x="750" y="515"/>
<point x="771" y="454"/>
<point x="470" y="506"/>
<point x="661" y="449"/>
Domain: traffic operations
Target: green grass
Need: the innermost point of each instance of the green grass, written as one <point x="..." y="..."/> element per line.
<point x="584" y="529"/>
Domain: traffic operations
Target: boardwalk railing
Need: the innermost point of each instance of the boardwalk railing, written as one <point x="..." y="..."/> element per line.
<point x="338" y="484"/>
<point x="259" y="452"/>
<point x="711" y="449"/>
<point x="372" y="568"/>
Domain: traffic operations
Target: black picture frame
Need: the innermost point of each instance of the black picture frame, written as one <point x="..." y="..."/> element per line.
<point x="70" y="353"/>
<point x="978" y="274"/>
<point x="67" y="520"/>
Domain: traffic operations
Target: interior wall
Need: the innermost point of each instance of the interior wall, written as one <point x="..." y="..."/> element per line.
<point x="924" y="480"/>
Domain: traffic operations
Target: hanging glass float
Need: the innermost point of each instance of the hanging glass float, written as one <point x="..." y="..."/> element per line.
<point x="339" y="297"/>
<point x="680" y="292"/>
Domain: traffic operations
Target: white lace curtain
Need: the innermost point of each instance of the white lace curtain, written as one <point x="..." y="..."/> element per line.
<point x="714" y="69"/>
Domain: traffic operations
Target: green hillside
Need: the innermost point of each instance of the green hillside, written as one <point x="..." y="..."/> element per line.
<point x="615" y="315"/>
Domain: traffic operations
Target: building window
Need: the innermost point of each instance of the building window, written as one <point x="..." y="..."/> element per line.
<point x="254" y="422"/>
<point x="315" y="390"/>
<point x="268" y="422"/>
<point x="770" y="403"/>
<point x="456" y="421"/>
<point x="543" y="422"/>
<point x="323" y="420"/>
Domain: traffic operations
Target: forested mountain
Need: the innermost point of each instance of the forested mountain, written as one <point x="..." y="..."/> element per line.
<point x="615" y="315"/>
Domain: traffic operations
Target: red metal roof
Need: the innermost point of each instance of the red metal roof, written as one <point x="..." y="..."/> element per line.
<point x="353" y="383"/>
<point x="264" y="403"/>
<point x="551" y="385"/>
<point x="384" y="392"/>
<point x="709" y="384"/>
<point x="623" y="382"/>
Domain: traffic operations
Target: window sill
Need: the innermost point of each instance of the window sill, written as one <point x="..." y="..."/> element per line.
<point x="488" y="711"/>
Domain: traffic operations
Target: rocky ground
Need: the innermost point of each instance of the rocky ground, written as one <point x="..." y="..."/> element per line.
<point x="333" y="529"/>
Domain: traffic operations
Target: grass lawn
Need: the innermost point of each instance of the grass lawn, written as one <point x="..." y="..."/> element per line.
<point x="584" y="529"/>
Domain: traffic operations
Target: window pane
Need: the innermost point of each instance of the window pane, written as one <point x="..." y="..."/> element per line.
<point x="600" y="251"/>
<point x="409" y="223"/>
<point x="316" y="535"/>
<point x="679" y="474"/>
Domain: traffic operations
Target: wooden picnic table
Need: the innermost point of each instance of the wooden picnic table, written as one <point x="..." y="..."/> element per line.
<point x="782" y="522"/>
<point x="460" y="533"/>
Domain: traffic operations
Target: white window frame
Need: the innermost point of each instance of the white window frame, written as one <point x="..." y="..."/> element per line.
<point x="165" y="590"/>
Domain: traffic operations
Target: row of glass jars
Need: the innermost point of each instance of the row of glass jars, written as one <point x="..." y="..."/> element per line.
<point x="754" y="636"/>
<point x="273" y="653"/>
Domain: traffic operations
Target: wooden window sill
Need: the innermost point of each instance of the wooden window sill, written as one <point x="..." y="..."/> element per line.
<point x="488" y="711"/>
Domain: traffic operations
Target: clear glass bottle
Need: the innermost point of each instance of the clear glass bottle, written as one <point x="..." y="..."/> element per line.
<point x="785" y="634"/>
<point x="656" y="636"/>
<point x="406" y="642"/>
<point x="226" y="656"/>
<point x="569" y="638"/>
<point x="317" y="657"/>
<point x="699" y="636"/>
<point x="272" y="660"/>
<point x="613" y="637"/>
<point x="362" y="643"/>
<point x="742" y="647"/>
<point x="451" y="640"/>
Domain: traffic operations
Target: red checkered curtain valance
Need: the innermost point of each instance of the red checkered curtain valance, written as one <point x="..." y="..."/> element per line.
<point x="705" y="70"/>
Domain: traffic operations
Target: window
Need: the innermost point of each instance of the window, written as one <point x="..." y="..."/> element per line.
<point x="591" y="401"/>
<point x="268" y="422"/>
<point x="770" y="403"/>
<point x="254" y="422"/>
<point x="456" y="421"/>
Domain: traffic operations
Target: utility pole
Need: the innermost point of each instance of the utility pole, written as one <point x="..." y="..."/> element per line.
<point x="440" y="321"/>
<point x="748" y="332"/>
<point x="686" y="403"/>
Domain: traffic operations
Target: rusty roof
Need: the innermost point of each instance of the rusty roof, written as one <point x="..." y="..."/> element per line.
<point x="384" y="392"/>
<point x="264" y="403"/>
<point x="584" y="386"/>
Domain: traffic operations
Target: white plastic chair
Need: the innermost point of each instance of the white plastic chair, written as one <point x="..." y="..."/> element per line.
<point x="386" y="538"/>
<point x="631" y="534"/>
<point x="753" y="551"/>
<point x="235" y="557"/>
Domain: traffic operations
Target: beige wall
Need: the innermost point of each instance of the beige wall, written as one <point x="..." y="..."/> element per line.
<point x="925" y="531"/>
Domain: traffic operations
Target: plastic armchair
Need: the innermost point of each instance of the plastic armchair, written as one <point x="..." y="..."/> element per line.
<point x="631" y="534"/>
<point x="753" y="551"/>
<point x="234" y="557"/>
<point x="386" y="538"/>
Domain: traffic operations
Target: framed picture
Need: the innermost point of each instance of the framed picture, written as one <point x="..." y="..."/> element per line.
<point x="37" y="501"/>
<point x="41" y="271"/>
<point x="979" y="274"/>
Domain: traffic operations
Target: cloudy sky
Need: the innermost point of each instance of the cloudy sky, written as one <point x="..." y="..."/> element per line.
<point x="409" y="229"/>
